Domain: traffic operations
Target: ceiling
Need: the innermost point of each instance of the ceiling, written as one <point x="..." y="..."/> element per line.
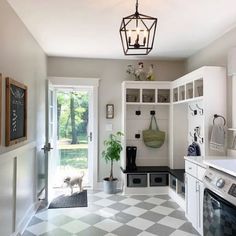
<point x="90" y="28"/>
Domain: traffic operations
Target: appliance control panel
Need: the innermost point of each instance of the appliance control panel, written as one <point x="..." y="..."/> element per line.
<point x="220" y="181"/>
<point x="232" y="190"/>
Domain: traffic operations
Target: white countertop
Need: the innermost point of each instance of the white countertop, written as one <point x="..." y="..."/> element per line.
<point x="227" y="165"/>
<point x="200" y="160"/>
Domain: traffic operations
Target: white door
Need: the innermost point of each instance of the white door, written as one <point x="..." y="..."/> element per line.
<point x="50" y="145"/>
<point x="90" y="85"/>
<point x="76" y="138"/>
<point x="91" y="138"/>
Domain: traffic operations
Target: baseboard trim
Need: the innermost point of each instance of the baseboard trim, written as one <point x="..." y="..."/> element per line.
<point x="177" y="198"/>
<point x="21" y="227"/>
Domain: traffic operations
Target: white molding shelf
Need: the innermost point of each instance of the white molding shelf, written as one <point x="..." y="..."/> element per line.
<point x="231" y="129"/>
<point x="189" y="100"/>
<point x="148" y="103"/>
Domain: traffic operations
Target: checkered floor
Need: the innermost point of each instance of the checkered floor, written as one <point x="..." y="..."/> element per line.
<point x="112" y="215"/>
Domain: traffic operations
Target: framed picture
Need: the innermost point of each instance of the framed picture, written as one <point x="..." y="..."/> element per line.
<point x="0" y="108"/>
<point x="110" y="111"/>
<point x="16" y="112"/>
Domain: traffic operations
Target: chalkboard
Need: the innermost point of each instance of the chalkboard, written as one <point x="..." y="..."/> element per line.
<point x="16" y="112"/>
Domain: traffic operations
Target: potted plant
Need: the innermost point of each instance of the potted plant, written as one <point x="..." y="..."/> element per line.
<point x="111" y="153"/>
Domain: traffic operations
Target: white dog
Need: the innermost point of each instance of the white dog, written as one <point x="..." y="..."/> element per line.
<point x="72" y="181"/>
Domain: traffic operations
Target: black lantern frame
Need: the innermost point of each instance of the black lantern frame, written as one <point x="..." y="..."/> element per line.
<point x="143" y="40"/>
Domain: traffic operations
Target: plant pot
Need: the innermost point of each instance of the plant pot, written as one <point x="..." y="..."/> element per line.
<point x="110" y="187"/>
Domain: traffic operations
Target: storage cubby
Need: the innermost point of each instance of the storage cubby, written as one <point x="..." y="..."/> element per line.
<point x="163" y="95"/>
<point x="148" y="95"/>
<point x="137" y="180"/>
<point x="171" y="104"/>
<point x="175" y="95"/>
<point x="180" y="188"/>
<point x="133" y="95"/>
<point x="158" y="179"/>
<point x="182" y="93"/>
<point x="173" y="182"/>
<point x="198" y="88"/>
<point x="189" y="90"/>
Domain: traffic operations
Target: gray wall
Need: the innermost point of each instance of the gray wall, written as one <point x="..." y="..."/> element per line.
<point x="111" y="73"/>
<point x="216" y="55"/>
<point x="23" y="60"/>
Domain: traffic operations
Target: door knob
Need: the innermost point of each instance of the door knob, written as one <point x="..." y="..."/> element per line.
<point x="47" y="147"/>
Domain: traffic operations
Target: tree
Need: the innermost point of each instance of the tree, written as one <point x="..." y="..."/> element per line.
<point x="72" y="114"/>
<point x="72" y="117"/>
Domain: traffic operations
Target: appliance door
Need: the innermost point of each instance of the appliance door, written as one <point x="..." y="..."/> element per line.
<point x="219" y="216"/>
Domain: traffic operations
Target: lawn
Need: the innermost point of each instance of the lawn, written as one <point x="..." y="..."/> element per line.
<point x="76" y="158"/>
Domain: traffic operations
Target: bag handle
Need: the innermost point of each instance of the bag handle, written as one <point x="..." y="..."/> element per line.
<point x="150" y="126"/>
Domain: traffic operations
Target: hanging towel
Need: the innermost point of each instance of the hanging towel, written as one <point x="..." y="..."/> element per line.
<point x="218" y="136"/>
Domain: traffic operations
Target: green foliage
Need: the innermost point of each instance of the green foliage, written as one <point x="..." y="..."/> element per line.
<point x="76" y="158"/>
<point x="112" y="150"/>
<point x="80" y="99"/>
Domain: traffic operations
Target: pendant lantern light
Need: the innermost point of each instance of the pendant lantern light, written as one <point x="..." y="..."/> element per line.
<point x="137" y="33"/>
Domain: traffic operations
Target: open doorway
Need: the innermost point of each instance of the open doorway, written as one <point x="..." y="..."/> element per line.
<point x="71" y="134"/>
<point x="72" y="128"/>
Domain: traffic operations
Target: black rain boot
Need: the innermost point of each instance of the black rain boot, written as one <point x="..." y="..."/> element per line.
<point x="134" y="153"/>
<point x="128" y="158"/>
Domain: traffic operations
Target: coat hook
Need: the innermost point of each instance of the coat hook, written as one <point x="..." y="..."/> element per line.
<point x="191" y="135"/>
<point x="152" y="113"/>
<point x="200" y="109"/>
<point x="194" y="111"/>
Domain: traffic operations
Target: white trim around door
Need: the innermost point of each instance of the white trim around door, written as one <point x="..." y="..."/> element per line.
<point x="92" y="84"/>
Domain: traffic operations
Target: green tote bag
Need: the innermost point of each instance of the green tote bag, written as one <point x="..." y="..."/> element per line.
<point x="153" y="138"/>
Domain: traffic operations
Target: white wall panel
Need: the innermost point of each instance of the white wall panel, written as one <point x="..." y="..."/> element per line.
<point x="6" y="196"/>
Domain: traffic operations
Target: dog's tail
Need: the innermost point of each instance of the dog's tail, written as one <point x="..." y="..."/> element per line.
<point x="82" y="174"/>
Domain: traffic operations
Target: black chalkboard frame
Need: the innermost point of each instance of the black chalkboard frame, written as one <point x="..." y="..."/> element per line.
<point x="9" y="83"/>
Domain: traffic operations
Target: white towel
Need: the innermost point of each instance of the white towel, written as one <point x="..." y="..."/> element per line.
<point x="218" y="137"/>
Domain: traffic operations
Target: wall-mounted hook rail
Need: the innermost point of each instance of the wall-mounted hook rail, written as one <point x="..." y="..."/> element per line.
<point x="200" y="109"/>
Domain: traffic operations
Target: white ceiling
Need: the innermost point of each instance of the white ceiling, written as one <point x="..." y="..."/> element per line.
<point x="90" y="28"/>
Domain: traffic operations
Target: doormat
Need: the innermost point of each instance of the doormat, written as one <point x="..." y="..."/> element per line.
<point x="75" y="200"/>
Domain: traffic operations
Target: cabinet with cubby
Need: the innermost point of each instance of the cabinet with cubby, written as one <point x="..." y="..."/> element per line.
<point x="184" y="109"/>
<point x="143" y="92"/>
<point x="201" y="94"/>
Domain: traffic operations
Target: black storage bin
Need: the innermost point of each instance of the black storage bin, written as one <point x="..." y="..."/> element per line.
<point x="137" y="180"/>
<point x="159" y="179"/>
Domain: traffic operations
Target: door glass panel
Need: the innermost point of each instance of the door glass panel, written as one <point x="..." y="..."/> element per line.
<point x="219" y="216"/>
<point x="72" y="141"/>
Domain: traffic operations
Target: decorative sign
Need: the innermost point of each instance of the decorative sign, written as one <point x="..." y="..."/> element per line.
<point x="16" y="112"/>
<point x="109" y="111"/>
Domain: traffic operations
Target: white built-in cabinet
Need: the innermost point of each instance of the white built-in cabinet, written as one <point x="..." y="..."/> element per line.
<point x="196" y="97"/>
<point x="194" y="194"/>
<point x="181" y="106"/>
